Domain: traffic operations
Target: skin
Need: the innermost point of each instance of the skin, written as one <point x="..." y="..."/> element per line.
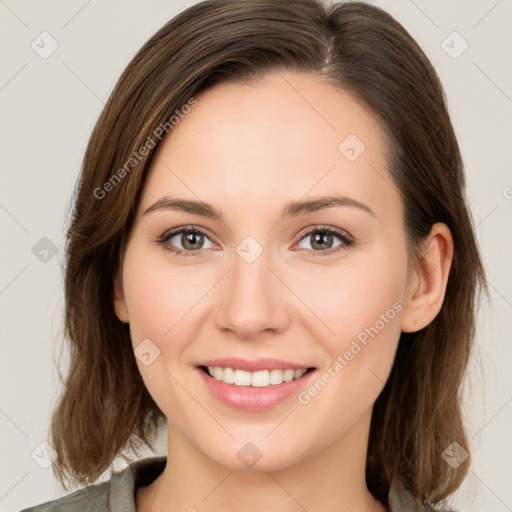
<point x="249" y="150"/>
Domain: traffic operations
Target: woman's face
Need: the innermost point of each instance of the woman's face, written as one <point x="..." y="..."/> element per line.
<point x="321" y="286"/>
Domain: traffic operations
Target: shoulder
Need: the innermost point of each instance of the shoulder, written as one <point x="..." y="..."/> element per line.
<point x="114" y="495"/>
<point x="400" y="500"/>
<point x="93" y="498"/>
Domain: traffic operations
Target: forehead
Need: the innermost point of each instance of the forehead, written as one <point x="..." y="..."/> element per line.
<point x="289" y="133"/>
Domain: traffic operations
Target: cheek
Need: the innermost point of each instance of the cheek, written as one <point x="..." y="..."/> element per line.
<point x="363" y="308"/>
<point x="159" y="297"/>
<point x="160" y="302"/>
<point x="357" y="307"/>
<point x="164" y="301"/>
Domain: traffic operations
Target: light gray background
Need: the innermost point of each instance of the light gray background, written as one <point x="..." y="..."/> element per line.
<point x="48" y="109"/>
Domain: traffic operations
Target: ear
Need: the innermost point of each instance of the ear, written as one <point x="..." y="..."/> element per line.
<point x="119" y="300"/>
<point x="427" y="287"/>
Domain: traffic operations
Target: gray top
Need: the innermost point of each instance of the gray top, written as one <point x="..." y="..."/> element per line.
<point x="118" y="493"/>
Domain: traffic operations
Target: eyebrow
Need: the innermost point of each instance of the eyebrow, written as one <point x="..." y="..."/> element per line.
<point x="292" y="209"/>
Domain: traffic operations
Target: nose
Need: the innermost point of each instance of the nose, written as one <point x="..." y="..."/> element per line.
<point x="253" y="300"/>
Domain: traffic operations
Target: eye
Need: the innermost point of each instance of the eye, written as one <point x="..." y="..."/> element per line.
<point x="322" y="240"/>
<point x="191" y="240"/>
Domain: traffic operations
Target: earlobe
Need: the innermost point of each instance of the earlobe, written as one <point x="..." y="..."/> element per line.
<point x="427" y="288"/>
<point x="119" y="301"/>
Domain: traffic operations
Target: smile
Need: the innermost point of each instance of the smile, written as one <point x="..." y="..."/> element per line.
<point x="257" y="390"/>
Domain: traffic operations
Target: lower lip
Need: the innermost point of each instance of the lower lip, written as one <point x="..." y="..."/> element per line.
<point x="250" y="398"/>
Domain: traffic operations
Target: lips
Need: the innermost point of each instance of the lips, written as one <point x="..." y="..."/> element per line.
<point x="252" y="388"/>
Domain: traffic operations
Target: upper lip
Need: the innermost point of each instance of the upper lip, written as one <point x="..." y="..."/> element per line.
<point x="255" y="365"/>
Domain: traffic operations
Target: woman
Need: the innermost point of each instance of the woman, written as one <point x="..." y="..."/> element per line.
<point x="270" y="251"/>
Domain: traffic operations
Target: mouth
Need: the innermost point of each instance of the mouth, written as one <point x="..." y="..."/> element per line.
<point x="257" y="379"/>
<point x="254" y="385"/>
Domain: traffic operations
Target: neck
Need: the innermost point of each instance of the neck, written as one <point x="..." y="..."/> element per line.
<point x="332" y="480"/>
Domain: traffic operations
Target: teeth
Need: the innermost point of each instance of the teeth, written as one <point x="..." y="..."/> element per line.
<point x="259" y="379"/>
<point x="228" y="376"/>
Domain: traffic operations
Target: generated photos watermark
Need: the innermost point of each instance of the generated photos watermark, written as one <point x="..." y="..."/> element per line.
<point x="356" y="346"/>
<point x="137" y="156"/>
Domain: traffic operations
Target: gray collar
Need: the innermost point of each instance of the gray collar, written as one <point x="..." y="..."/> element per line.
<point x="142" y="472"/>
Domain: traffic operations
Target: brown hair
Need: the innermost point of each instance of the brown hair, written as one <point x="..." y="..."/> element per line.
<point x="105" y="408"/>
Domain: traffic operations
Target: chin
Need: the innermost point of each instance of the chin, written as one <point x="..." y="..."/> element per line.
<point x="250" y="457"/>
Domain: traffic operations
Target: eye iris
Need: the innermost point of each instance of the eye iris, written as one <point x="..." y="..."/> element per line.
<point x="321" y="238"/>
<point x="188" y="239"/>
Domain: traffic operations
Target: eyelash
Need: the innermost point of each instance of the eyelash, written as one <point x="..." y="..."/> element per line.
<point x="347" y="240"/>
